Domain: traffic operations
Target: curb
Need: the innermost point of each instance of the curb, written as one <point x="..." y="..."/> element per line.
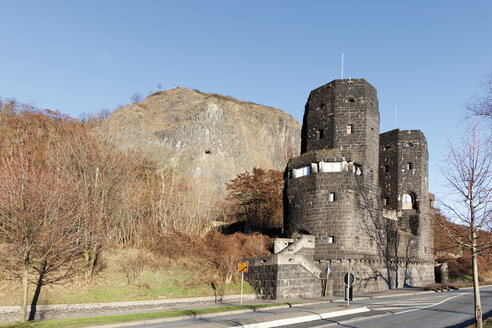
<point x="204" y="315"/>
<point x="307" y="318"/>
<point x="274" y="323"/>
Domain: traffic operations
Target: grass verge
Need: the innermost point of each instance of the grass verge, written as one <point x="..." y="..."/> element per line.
<point x="110" y="286"/>
<point x="487" y="323"/>
<point x="80" y="322"/>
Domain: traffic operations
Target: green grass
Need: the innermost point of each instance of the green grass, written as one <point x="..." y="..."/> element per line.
<point x="80" y="322"/>
<point x="151" y="285"/>
<point x="464" y="278"/>
<point x="487" y="323"/>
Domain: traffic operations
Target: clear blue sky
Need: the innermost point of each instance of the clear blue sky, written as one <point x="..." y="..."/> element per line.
<point x="426" y="58"/>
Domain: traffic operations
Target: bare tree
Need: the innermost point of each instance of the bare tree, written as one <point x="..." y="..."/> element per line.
<point x="482" y="105"/>
<point x="258" y="197"/>
<point x="469" y="178"/>
<point x="383" y="233"/>
<point x="98" y="116"/>
<point x="37" y="205"/>
<point x="136" y="97"/>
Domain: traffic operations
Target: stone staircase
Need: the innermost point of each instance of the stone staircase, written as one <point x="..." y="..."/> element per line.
<point x="289" y="273"/>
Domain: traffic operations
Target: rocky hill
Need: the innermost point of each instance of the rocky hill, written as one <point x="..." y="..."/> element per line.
<point x="207" y="136"/>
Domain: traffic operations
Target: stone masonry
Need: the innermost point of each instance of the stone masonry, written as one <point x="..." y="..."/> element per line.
<point x="362" y="197"/>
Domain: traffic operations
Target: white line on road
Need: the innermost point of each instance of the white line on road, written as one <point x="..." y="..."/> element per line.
<point x="307" y="318"/>
<point x="428" y="306"/>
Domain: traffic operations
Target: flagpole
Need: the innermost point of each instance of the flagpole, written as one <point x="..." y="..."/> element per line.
<point x="342" y="64"/>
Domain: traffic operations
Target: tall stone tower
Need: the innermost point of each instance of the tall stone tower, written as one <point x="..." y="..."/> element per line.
<point x="343" y="114"/>
<point x="403" y="178"/>
<point x="340" y="138"/>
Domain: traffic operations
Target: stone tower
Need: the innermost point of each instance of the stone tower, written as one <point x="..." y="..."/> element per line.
<point x="354" y="201"/>
<point x="340" y="139"/>
<point x="403" y="178"/>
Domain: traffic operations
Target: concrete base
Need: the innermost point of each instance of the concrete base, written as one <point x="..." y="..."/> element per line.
<point x="283" y="276"/>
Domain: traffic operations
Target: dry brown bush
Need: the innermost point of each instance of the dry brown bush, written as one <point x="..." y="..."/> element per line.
<point x="132" y="261"/>
<point x="462" y="267"/>
<point x="225" y="251"/>
<point x="257" y="197"/>
<point x="218" y="254"/>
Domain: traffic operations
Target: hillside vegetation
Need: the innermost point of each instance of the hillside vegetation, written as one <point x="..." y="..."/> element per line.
<point x="456" y="255"/>
<point x="113" y="224"/>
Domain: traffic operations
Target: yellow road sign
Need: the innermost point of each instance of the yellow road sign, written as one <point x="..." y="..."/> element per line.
<point x="243" y="267"/>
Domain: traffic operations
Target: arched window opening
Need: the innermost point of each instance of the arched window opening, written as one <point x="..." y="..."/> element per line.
<point x="408" y="202"/>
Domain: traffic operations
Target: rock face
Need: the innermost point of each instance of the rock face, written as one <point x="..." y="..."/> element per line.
<point x="207" y="136"/>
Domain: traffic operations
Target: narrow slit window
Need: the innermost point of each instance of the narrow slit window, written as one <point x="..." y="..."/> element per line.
<point x="385" y="201"/>
<point x="409" y="166"/>
<point x="331" y="239"/>
<point x="349" y="128"/>
<point x="332" y="197"/>
<point x="386" y="168"/>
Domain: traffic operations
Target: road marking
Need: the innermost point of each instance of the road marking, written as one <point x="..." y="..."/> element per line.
<point x="409" y="303"/>
<point x="429" y="306"/>
<point x="294" y="320"/>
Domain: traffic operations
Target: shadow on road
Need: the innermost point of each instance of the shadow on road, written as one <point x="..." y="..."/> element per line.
<point x="471" y="321"/>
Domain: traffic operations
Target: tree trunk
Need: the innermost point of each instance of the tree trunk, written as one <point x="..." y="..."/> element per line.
<point x="476" y="287"/>
<point x="37" y="292"/>
<point x="25" y="285"/>
<point x="90" y="258"/>
<point x="474" y="250"/>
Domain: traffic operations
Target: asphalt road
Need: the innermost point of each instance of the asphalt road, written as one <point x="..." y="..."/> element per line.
<point x="445" y="309"/>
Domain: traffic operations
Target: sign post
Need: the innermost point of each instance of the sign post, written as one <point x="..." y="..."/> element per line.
<point x="349" y="280"/>
<point x="242" y="267"/>
<point x="328" y="271"/>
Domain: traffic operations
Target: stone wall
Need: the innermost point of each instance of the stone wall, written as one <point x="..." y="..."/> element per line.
<point x="372" y="274"/>
<point x="283" y="276"/>
<point x="63" y="311"/>
<point x="288" y="274"/>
